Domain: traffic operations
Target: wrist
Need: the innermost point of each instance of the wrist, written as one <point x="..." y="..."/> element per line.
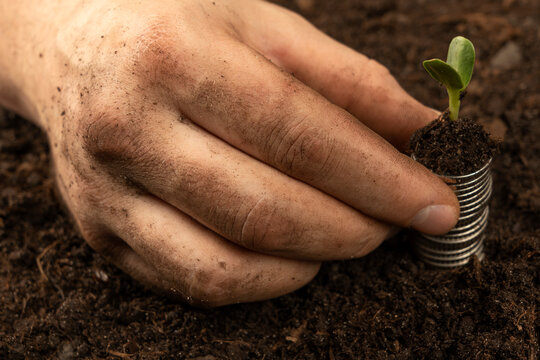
<point x="28" y="29"/>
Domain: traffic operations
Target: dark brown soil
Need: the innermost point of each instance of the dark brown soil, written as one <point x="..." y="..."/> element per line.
<point x="384" y="306"/>
<point x="449" y="147"/>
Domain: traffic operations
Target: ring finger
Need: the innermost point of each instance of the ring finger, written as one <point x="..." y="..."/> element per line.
<point x="229" y="192"/>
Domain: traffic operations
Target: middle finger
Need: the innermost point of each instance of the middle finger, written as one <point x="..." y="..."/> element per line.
<point x="238" y="197"/>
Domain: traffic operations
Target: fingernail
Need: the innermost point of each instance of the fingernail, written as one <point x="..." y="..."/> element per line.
<point x="435" y="219"/>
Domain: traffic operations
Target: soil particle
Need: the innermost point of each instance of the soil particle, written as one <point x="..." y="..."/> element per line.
<point x="507" y="57"/>
<point x="66" y="351"/>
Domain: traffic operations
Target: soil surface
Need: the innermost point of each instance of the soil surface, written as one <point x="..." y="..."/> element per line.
<point x="449" y="147"/>
<point x="59" y="299"/>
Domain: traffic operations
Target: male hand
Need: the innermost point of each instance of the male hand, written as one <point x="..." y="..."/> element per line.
<point x="190" y="156"/>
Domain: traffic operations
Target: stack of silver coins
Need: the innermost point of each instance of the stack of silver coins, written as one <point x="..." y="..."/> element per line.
<point x="466" y="239"/>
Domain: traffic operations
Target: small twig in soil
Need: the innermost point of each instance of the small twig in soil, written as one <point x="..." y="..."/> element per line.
<point x="235" y="342"/>
<point x="331" y="354"/>
<point x="40" y="256"/>
<point x="376" y="314"/>
<point x="43" y="274"/>
<point x="119" y="354"/>
<point x="518" y="325"/>
<point x="25" y="302"/>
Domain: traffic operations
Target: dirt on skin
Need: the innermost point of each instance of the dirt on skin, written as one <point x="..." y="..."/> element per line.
<point x="59" y="299"/>
<point x="449" y="147"/>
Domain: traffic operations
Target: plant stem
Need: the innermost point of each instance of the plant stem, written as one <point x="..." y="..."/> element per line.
<point x="454" y="103"/>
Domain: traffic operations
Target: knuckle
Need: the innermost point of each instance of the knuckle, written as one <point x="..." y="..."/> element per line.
<point x="109" y="137"/>
<point x="267" y="228"/>
<point x="375" y="67"/>
<point x="81" y="188"/>
<point x="281" y="12"/>
<point x="158" y="50"/>
<point x="283" y="49"/>
<point x="305" y="152"/>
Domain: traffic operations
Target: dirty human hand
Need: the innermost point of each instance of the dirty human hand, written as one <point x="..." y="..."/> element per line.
<point x="192" y="158"/>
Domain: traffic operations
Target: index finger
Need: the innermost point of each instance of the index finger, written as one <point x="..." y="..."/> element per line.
<point x="252" y="105"/>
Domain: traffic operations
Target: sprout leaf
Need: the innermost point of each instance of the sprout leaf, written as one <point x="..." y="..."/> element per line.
<point x="443" y="73"/>
<point x="461" y="58"/>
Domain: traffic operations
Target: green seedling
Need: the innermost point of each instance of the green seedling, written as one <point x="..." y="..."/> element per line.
<point x="455" y="74"/>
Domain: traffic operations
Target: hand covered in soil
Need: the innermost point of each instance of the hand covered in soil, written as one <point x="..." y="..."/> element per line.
<point x="191" y="157"/>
